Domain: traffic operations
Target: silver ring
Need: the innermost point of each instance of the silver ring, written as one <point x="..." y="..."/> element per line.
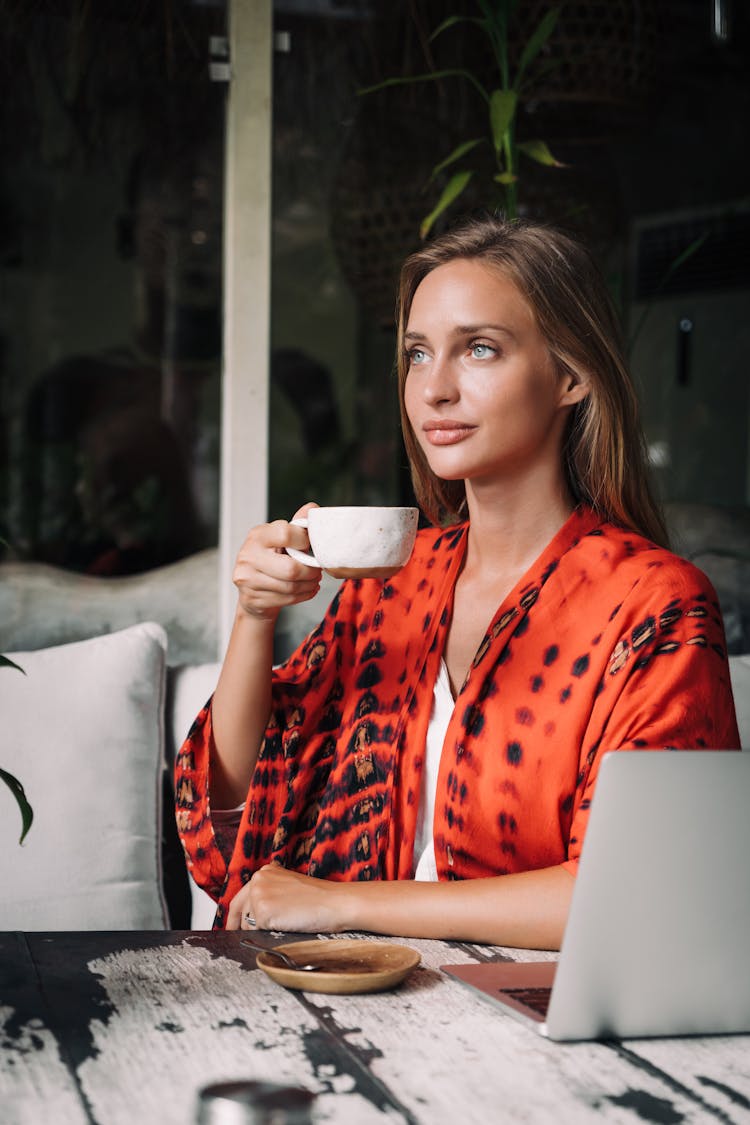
<point x="249" y="920"/>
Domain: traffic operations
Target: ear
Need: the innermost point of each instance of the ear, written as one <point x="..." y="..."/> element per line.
<point x="574" y="387"/>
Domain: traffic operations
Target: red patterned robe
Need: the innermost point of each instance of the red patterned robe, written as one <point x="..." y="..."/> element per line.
<point x="607" y="643"/>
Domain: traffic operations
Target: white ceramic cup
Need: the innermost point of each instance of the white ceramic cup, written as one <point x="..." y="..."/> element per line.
<point x="358" y="542"/>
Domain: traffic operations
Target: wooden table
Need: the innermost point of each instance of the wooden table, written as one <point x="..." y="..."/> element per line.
<point x="123" y="1028"/>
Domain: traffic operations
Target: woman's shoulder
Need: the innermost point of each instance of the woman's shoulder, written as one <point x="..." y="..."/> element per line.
<point x="637" y="560"/>
<point x="644" y="597"/>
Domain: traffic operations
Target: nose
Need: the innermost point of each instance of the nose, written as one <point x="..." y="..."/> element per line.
<point x="439" y="384"/>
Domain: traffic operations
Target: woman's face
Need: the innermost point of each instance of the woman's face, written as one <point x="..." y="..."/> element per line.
<point x="482" y="392"/>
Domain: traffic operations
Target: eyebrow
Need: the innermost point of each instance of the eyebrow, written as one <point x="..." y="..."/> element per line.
<point x="464" y="330"/>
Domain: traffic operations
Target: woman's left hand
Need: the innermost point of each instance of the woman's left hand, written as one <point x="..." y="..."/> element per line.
<point x="277" y="899"/>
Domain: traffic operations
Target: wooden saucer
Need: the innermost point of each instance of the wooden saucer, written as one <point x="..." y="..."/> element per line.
<point x="347" y="965"/>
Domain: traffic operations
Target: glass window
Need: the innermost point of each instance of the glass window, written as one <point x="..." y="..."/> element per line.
<point x="622" y="97"/>
<point x="110" y="331"/>
<point x="348" y="175"/>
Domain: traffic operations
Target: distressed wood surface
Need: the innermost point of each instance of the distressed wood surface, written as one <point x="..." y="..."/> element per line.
<point x="111" y="1029"/>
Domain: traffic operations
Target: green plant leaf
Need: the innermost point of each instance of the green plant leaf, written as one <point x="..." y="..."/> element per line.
<point x="458" y="152"/>
<point x="451" y="21"/>
<point x="499" y="11"/>
<point x="433" y="76"/>
<point x="505" y="178"/>
<point x="539" y="151"/>
<point x="495" y="26"/>
<point x="6" y="663"/>
<point x="451" y="192"/>
<point x="27" y="813"/>
<point x="536" y="41"/>
<point x="502" y="110"/>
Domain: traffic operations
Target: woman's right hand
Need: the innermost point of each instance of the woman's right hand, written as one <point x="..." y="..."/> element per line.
<point x="266" y="577"/>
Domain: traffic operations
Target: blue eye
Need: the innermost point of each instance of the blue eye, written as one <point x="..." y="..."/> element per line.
<point x="416" y="355"/>
<point x="481" y="351"/>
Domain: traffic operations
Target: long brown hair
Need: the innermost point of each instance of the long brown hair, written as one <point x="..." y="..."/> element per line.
<point x="604" y="451"/>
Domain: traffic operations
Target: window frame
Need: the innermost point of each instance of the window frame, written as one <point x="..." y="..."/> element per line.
<point x="247" y="289"/>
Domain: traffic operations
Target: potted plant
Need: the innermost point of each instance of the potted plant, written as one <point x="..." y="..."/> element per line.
<point x="508" y="84"/>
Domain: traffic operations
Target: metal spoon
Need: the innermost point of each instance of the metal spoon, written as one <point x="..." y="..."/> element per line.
<point x="287" y="960"/>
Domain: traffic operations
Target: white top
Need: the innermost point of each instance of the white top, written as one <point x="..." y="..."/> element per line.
<point x="442" y="709"/>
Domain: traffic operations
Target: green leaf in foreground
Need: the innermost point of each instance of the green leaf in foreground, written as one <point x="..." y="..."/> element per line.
<point x="451" y="191"/>
<point x="537" y="40"/>
<point x="27" y="813"/>
<point x="433" y="76"/>
<point x="451" y="21"/>
<point x="457" y="153"/>
<point x="502" y="111"/>
<point x="539" y="151"/>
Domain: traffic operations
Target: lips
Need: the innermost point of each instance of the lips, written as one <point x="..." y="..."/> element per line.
<point x="446" y="431"/>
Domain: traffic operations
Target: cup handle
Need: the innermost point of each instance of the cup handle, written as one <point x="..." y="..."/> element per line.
<point x="300" y="556"/>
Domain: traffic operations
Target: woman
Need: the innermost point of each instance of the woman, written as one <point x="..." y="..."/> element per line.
<point x="433" y="747"/>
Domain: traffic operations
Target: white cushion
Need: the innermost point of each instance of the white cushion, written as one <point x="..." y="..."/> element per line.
<point x="191" y="686"/>
<point x="739" y="670"/>
<point x="83" y="730"/>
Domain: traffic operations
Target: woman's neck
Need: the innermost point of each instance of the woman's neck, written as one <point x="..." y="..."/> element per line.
<point x="509" y="528"/>
<point x="507" y="534"/>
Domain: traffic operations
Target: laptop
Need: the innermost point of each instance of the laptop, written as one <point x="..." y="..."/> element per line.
<point x="658" y="932"/>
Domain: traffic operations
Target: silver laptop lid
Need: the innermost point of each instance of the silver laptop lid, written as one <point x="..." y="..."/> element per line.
<point x="659" y="926"/>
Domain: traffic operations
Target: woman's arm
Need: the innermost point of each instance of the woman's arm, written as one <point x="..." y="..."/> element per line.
<point x="527" y="910"/>
<point x="266" y="579"/>
<point x="240" y="708"/>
